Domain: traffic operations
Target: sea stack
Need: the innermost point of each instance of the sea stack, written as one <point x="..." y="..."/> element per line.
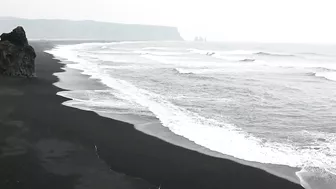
<point x="17" y="57"/>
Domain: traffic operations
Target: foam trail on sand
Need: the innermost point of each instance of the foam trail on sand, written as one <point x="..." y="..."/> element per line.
<point x="220" y="136"/>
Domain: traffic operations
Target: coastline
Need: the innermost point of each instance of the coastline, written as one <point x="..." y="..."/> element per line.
<point x="53" y="137"/>
<point x="72" y="79"/>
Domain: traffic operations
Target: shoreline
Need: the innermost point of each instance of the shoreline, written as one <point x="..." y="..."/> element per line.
<point x="48" y="145"/>
<point x="157" y="130"/>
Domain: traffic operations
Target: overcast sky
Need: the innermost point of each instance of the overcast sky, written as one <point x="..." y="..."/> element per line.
<point x="228" y="20"/>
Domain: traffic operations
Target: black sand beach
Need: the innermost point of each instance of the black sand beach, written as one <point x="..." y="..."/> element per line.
<point x="44" y="144"/>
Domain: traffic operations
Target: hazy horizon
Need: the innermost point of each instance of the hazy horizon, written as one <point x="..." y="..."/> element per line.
<point x="241" y="20"/>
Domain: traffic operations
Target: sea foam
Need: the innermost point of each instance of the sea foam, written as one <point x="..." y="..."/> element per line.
<point x="327" y="75"/>
<point x="220" y="136"/>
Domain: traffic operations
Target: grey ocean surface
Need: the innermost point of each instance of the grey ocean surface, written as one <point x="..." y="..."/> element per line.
<point x="268" y="103"/>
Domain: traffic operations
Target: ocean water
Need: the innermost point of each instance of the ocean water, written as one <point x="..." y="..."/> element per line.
<point x="267" y="103"/>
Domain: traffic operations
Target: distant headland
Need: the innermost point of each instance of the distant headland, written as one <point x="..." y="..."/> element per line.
<point x="89" y="30"/>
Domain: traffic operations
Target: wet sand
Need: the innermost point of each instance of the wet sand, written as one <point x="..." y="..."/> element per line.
<point x="44" y="144"/>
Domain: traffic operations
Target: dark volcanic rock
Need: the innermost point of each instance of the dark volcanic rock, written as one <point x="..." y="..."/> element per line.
<point x="17" y="36"/>
<point x="17" y="57"/>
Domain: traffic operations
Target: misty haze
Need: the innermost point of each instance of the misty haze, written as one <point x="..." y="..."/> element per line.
<point x="167" y="94"/>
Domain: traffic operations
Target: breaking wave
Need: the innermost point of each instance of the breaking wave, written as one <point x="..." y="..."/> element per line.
<point x="327" y="75"/>
<point x="318" y="156"/>
<point x="247" y="60"/>
<point x="274" y="54"/>
<point x="195" y="71"/>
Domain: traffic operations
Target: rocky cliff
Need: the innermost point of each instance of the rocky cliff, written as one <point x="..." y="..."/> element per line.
<point x="90" y="30"/>
<point x="17" y="57"/>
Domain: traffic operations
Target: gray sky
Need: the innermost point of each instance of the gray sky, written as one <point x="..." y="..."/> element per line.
<point x="228" y="20"/>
